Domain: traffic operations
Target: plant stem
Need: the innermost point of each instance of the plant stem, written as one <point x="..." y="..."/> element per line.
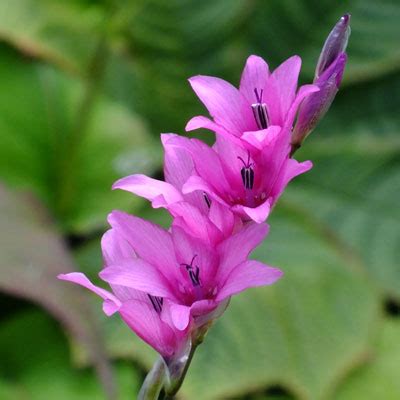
<point x="173" y="389"/>
<point x="154" y="381"/>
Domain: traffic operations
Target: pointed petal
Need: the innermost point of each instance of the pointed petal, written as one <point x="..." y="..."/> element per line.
<point x="248" y="274"/>
<point x="149" y="188"/>
<point x="139" y="275"/>
<point x="115" y="248"/>
<point x="194" y="222"/>
<point x="206" y="160"/>
<point x="222" y="217"/>
<point x="262" y="138"/>
<point x="178" y="167"/>
<point x="113" y="302"/>
<point x="224" y="103"/>
<point x="147" y="324"/>
<point x="281" y="89"/>
<point x="257" y="214"/>
<point x="254" y="76"/>
<point x="237" y="248"/>
<point x="145" y="237"/>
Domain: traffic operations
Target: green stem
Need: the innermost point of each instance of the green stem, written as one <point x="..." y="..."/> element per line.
<point x="174" y="387"/>
<point x="154" y="381"/>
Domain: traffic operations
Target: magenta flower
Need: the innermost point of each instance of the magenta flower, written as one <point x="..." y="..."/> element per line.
<point x="194" y="212"/>
<point x="143" y="313"/>
<point x="328" y="76"/>
<point x="191" y="278"/>
<point x="247" y="182"/>
<point x="263" y="104"/>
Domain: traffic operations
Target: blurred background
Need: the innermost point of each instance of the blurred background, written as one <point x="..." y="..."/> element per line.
<point x="86" y="87"/>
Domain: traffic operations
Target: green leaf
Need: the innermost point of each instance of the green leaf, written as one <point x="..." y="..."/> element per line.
<point x="39" y="368"/>
<point x="304" y="333"/>
<point x="32" y="255"/>
<point x="378" y="378"/>
<point x="71" y="171"/>
<point x="61" y="32"/>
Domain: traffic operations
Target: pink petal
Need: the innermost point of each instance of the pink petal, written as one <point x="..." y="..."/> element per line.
<point x="112" y="303"/>
<point x="260" y="139"/>
<point x="194" y="222"/>
<point x="254" y="76"/>
<point x="257" y="214"/>
<point x="151" y="242"/>
<point x="222" y="217"/>
<point x="198" y="183"/>
<point x="248" y="274"/>
<point x="237" y="248"/>
<point x="180" y="315"/>
<point x="206" y="160"/>
<point x="147" y="324"/>
<point x="115" y="248"/>
<point x="139" y="275"/>
<point x="150" y="189"/>
<point x="292" y="169"/>
<point x="225" y="103"/>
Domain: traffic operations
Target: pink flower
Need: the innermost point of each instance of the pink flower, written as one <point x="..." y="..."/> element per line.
<point x="264" y="102"/>
<point x="194" y="212"/>
<point x="193" y="279"/>
<point x="143" y="313"/>
<point x="248" y="182"/>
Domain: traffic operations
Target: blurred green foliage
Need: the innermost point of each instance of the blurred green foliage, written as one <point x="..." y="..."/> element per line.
<point x="86" y="88"/>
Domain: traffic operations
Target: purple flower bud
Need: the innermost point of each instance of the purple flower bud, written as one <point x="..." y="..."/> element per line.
<point x="335" y="44"/>
<point x="315" y="106"/>
<point x="328" y="76"/>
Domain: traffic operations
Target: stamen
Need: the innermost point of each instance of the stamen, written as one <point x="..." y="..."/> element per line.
<point x="157" y="302"/>
<point x="247" y="173"/>
<point x="193" y="271"/>
<point x="207" y="199"/>
<point x="260" y="111"/>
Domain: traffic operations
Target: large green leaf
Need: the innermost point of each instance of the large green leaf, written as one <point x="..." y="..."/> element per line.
<point x="379" y="378"/>
<point x="44" y="150"/>
<point x="32" y="255"/>
<point x="37" y="366"/>
<point x="61" y="32"/>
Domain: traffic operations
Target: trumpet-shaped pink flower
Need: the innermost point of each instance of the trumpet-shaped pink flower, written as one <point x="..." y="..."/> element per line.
<point x="145" y="314"/>
<point x="248" y="182"/>
<point x="194" y="212"/>
<point x="192" y="278"/>
<point x="264" y="103"/>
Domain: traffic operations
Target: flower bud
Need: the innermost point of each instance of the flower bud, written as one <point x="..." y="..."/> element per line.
<point x="335" y="44"/>
<point x="328" y="76"/>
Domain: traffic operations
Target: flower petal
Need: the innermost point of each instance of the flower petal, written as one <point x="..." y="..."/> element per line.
<point x="144" y="237"/>
<point x="257" y="214"/>
<point x="255" y="75"/>
<point x="248" y="274"/>
<point x="150" y="189"/>
<point x="139" y="275"/>
<point x="237" y="248"/>
<point x="112" y="303"/>
<point x="147" y="324"/>
<point x="224" y="103"/>
<point x="263" y="137"/>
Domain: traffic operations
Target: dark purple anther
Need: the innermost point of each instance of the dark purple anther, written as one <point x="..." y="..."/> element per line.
<point x="247" y="173"/>
<point x="157" y="302"/>
<point x="260" y="111"/>
<point x="328" y="76"/>
<point x="193" y="271"/>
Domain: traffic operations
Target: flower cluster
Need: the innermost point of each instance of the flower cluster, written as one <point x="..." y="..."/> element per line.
<point x="169" y="283"/>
